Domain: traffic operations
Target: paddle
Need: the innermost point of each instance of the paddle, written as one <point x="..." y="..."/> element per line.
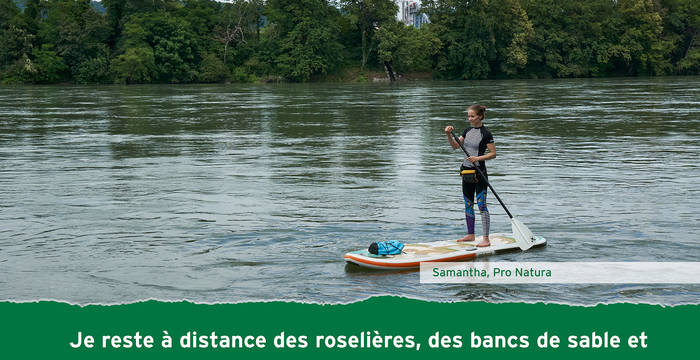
<point x="523" y="236"/>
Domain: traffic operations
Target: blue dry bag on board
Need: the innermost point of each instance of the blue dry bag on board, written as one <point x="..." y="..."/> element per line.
<point x="391" y="247"/>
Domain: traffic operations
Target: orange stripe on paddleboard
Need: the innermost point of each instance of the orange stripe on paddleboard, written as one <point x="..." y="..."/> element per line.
<point x="409" y="264"/>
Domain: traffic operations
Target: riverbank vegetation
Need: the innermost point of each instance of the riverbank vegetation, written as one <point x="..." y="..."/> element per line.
<point x="204" y="41"/>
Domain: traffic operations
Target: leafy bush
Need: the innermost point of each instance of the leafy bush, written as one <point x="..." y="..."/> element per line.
<point x="213" y="70"/>
<point x="135" y="66"/>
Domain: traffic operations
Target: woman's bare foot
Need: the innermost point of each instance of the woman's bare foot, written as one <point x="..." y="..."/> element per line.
<point x="484" y="243"/>
<point x="467" y="238"/>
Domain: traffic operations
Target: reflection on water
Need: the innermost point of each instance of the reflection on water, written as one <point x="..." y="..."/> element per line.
<point x="245" y="192"/>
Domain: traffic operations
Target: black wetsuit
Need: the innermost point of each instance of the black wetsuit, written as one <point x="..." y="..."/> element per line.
<point x="475" y="141"/>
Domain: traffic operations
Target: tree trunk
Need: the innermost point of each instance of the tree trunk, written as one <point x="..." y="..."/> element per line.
<point x="691" y="45"/>
<point x="389" y="71"/>
<point x="225" y="51"/>
<point x="364" y="49"/>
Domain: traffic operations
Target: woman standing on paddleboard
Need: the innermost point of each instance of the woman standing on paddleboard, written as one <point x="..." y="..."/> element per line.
<point x="476" y="139"/>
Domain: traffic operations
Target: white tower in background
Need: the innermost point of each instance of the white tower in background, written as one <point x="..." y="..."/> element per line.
<point x="404" y="15"/>
<point x="409" y="13"/>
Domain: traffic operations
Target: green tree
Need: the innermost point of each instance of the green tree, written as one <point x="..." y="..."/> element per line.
<point x="119" y="11"/>
<point x="32" y="15"/>
<point x="213" y="70"/>
<point x="136" y="65"/>
<point x="406" y="48"/>
<point x="14" y="39"/>
<point x="15" y="43"/>
<point x="94" y="70"/>
<point x="237" y="24"/>
<point x="8" y="10"/>
<point x="202" y="16"/>
<point x="518" y="33"/>
<point x="75" y="30"/>
<point x="481" y="37"/>
<point x="173" y="41"/>
<point x="305" y="32"/>
<point x="571" y="38"/>
<point x="681" y="19"/>
<point x="49" y="67"/>
<point x="174" y="47"/>
<point x="368" y="16"/>
<point x="639" y="29"/>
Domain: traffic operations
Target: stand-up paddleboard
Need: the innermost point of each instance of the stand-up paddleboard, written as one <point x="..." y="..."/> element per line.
<point x="439" y="251"/>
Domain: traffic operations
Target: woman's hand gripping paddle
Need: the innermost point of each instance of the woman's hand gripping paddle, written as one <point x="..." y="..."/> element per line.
<point x="523" y="236"/>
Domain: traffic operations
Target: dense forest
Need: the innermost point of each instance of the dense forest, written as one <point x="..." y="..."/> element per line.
<point x="186" y="41"/>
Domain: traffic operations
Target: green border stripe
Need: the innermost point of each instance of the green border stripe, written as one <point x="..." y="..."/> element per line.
<point x="45" y="329"/>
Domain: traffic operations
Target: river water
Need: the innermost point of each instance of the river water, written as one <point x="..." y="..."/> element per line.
<point x="226" y="193"/>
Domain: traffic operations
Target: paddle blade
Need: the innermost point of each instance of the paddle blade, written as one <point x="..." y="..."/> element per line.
<point x="523" y="236"/>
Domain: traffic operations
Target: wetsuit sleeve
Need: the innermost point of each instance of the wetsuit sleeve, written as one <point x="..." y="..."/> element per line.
<point x="488" y="138"/>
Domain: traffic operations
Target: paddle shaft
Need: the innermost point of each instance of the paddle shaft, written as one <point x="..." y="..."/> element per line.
<point x="483" y="177"/>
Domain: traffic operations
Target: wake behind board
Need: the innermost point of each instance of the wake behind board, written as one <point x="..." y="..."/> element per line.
<point x="438" y="251"/>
